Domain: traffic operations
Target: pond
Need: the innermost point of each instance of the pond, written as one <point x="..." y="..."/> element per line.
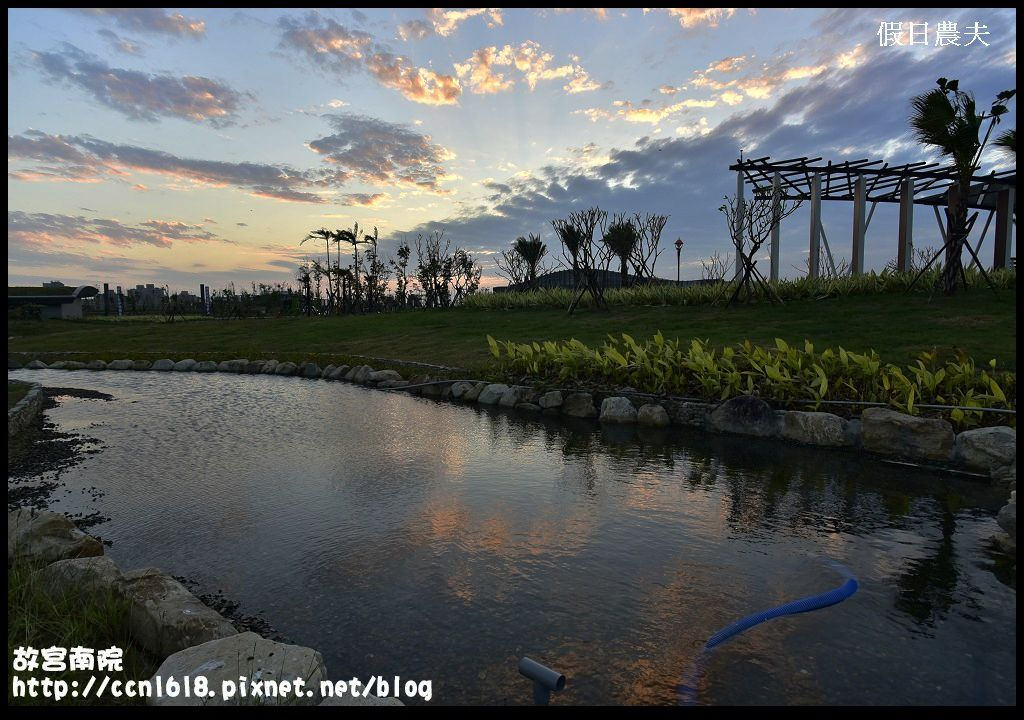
<point x="404" y="536"/>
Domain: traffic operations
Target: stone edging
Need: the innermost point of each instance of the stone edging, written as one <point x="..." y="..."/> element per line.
<point x="25" y="411"/>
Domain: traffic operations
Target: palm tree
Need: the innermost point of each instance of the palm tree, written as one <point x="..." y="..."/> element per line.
<point x="947" y="118"/>
<point x="1007" y="142"/>
<point x="621" y="238"/>
<point x="325" y="235"/>
<point x="532" y="250"/>
<point x="351" y="237"/>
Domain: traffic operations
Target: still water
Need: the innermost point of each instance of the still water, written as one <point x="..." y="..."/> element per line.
<point x="402" y="536"/>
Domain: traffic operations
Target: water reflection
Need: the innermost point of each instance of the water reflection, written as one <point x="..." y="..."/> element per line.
<point x="405" y="536"/>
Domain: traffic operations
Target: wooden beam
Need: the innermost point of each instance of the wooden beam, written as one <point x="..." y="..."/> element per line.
<point x="740" y="214"/>
<point x="1004" y="228"/>
<point x="777" y="198"/>
<point x="905" y="250"/>
<point x="815" y="240"/>
<point x="860" y="225"/>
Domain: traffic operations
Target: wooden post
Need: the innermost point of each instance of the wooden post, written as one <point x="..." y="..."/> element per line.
<point x="860" y="227"/>
<point x="776" y="199"/>
<point x="815" y="243"/>
<point x="905" y="251"/>
<point x="741" y="214"/>
<point x="1004" y="228"/>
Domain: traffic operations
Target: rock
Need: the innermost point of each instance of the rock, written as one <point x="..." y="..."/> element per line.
<point x="35" y="365"/>
<point x="473" y="394"/>
<point x="550" y="400"/>
<point x="309" y="370"/>
<point x="184" y="365"/>
<point x="814" y="428"/>
<point x="391" y="384"/>
<point x="163" y="365"/>
<point x="347" y="700"/>
<point x="141" y="365"/>
<point x="383" y="376"/>
<point x="617" y="410"/>
<point x="285" y="368"/>
<point x="269" y="367"/>
<point x="436" y="390"/>
<point x="42" y="536"/>
<point x="690" y="414"/>
<point x="238" y="365"/>
<point x="1007" y="517"/>
<point x="95" y="365"/>
<point x="326" y="374"/>
<point x="206" y="366"/>
<point x="579" y="405"/>
<point x="1006" y="475"/>
<point x="745" y="415"/>
<point x="243" y="655"/>
<point x="75" y="365"/>
<point x="515" y="395"/>
<point x="13" y="363"/>
<point x="255" y="367"/>
<point x="461" y="388"/>
<point x="337" y="373"/>
<point x="985" y="449"/>
<point x="362" y="374"/>
<point x="165" y="617"/>
<point x="87" y="577"/>
<point x="528" y="407"/>
<point x="653" y="415"/>
<point x="888" y="432"/>
<point x="491" y="394"/>
<point x="222" y="366"/>
<point x="59" y="365"/>
<point x="120" y="365"/>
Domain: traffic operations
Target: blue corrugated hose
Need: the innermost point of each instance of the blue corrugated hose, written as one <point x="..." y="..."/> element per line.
<point x="687" y="689"/>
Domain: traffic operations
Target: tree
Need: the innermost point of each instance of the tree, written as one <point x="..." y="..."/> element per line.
<point x="532" y="251"/>
<point x="327" y="236"/>
<point x="446" y="276"/>
<point x="352" y="237"/>
<point x="1007" y="142"/>
<point x="947" y="118"/>
<point x="649" y="227"/>
<point x="401" y="268"/>
<point x="750" y="225"/>
<point x="621" y="239"/>
<point x="588" y="261"/>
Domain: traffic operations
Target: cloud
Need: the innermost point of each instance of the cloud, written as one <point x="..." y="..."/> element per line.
<point x="338" y="50"/>
<point x="140" y="95"/>
<point x="645" y="112"/>
<point x="363" y="199"/>
<point x="120" y="44"/>
<point x="382" y="153"/>
<point x="46" y="229"/>
<point x="479" y="75"/>
<point x="414" y="30"/>
<point x="731" y="98"/>
<point x="151" y="20"/>
<point x="446" y="22"/>
<point x="694" y="17"/>
<point x="530" y="59"/>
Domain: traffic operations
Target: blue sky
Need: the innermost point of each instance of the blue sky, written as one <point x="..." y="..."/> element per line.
<point x="182" y="146"/>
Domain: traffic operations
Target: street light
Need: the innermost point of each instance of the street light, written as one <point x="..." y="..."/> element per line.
<point x="679" y="249"/>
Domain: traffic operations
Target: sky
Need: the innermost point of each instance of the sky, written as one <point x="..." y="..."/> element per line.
<point x="188" y="146"/>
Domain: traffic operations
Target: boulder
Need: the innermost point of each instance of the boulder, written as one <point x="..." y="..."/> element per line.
<point x="473" y="394"/>
<point x="238" y="365"/>
<point x="1007" y="517"/>
<point x="528" y="407"/>
<point x="653" y="415"/>
<point x="579" y="405"/>
<point x="59" y="365"/>
<point x="86" y="577"/>
<point x="1006" y="475"/>
<point x="617" y="410"/>
<point x="391" y="384"/>
<point x="309" y="370"/>
<point x="206" y="366"/>
<point x="184" y="365"/>
<point x="888" y="432"/>
<point x="326" y="374"/>
<point x="383" y="376"/>
<point x="141" y="365"/>
<point x="269" y="367"/>
<point x="95" y="365"/>
<point x="165" y="617"/>
<point x="120" y="365"/>
<point x="42" y="536"/>
<point x="550" y="400"/>
<point x="243" y="655"/>
<point x="285" y="368"/>
<point x="255" y="367"/>
<point x="491" y="394"/>
<point x="35" y="365"/>
<point x="814" y="428"/>
<point x="75" y="365"/>
<point x="515" y="395"/>
<point x="163" y="365"/>
<point x="461" y="388"/>
<point x="690" y="414"/>
<point x="222" y="366"/>
<point x="745" y="415"/>
<point x="985" y="449"/>
<point x="362" y="374"/>
<point x="337" y="373"/>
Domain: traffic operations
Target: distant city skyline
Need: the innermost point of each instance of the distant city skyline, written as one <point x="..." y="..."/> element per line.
<point x="193" y="146"/>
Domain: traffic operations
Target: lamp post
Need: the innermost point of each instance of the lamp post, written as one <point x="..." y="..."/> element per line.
<point x="679" y="249"/>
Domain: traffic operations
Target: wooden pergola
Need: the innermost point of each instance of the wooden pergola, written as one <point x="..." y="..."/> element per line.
<point x="875" y="181"/>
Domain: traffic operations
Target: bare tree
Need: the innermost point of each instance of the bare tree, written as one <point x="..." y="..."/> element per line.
<point x="648" y="247"/>
<point x="588" y="260"/>
<point x="750" y="225"/>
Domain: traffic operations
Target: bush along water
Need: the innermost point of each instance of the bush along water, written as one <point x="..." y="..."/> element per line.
<point x="785" y="374"/>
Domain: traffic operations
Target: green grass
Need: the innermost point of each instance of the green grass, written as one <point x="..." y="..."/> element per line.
<point x="39" y="619"/>
<point x="15" y="392"/>
<point x="897" y="326"/>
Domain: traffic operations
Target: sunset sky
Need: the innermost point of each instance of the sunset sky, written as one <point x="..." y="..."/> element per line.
<point x="184" y="146"/>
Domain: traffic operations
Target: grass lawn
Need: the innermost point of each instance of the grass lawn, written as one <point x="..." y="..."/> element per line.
<point x="897" y="326"/>
<point x="15" y="392"/>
